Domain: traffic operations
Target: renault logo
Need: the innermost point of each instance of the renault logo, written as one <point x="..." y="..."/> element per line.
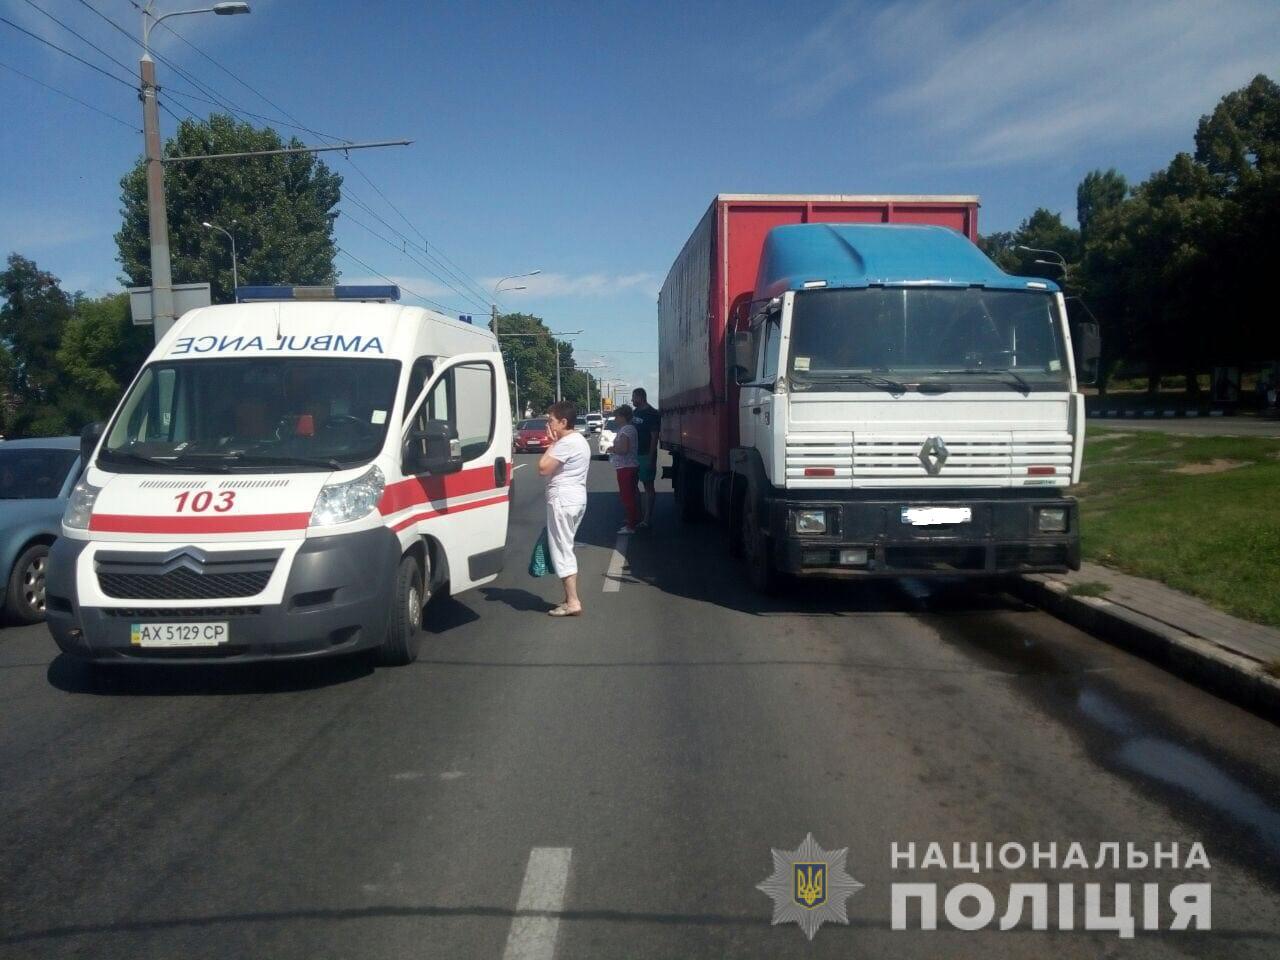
<point x="933" y="454"/>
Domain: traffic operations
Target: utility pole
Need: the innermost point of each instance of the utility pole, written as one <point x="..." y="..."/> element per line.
<point x="157" y="217"/>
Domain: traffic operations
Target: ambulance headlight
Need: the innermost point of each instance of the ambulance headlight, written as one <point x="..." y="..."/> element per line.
<point x="80" y="505"/>
<point x="344" y="502"/>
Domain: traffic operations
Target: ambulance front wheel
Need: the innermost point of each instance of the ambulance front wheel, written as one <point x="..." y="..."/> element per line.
<point x="404" y="628"/>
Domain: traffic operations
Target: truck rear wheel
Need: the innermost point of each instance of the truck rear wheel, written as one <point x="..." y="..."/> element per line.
<point x="757" y="552"/>
<point x="404" y="628"/>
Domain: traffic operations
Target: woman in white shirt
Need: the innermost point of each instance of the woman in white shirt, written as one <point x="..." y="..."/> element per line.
<point x="565" y="465"/>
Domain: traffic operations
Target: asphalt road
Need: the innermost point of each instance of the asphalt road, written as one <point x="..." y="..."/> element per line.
<point x="611" y="786"/>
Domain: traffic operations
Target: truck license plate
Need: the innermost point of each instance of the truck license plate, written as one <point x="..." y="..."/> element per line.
<point x="178" y="634"/>
<point x="936" y="516"/>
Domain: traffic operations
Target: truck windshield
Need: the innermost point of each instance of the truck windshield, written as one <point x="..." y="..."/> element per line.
<point x="933" y="333"/>
<point x="292" y="413"/>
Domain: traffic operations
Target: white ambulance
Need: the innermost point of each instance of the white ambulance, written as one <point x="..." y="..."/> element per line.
<point x="286" y="478"/>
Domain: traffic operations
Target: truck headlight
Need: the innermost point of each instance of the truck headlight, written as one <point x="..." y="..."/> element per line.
<point x="80" y="505"/>
<point x="1051" y="519"/>
<point x="809" y="522"/>
<point x="347" y="501"/>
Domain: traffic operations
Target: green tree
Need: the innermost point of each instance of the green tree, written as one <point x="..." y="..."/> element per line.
<point x="100" y="353"/>
<point x="32" y="320"/>
<point x="1098" y="192"/>
<point x="1240" y="140"/>
<point x="530" y="353"/>
<point x="282" y="205"/>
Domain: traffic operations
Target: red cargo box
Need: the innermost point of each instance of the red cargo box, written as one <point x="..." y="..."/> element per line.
<point x="714" y="277"/>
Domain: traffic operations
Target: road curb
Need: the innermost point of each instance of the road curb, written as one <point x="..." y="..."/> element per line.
<point x="1224" y="672"/>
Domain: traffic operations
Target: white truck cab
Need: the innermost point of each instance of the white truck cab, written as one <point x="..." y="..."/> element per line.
<point x="288" y="477"/>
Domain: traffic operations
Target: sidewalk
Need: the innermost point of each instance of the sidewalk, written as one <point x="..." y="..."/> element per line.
<point x="1187" y="636"/>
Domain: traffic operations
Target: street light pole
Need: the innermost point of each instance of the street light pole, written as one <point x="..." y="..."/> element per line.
<point x="570" y="333"/>
<point x="494" y="306"/>
<point x="157" y="217"/>
<point x="1061" y="263"/>
<point x="235" y="273"/>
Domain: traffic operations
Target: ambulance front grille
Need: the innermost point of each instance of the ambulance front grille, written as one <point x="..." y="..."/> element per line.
<point x="187" y="574"/>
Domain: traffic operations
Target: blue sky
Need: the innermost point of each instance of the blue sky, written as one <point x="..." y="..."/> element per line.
<point x="586" y="139"/>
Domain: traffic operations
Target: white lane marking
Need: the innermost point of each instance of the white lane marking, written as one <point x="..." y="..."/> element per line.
<point x="545" y="879"/>
<point x="617" y="564"/>
<point x="518" y="466"/>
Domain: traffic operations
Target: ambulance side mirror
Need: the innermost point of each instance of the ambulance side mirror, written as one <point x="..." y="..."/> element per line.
<point x="432" y="449"/>
<point x="89" y="438"/>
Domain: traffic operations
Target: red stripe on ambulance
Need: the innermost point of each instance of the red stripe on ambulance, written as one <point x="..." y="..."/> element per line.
<point x="249" y="523"/>
<point x="418" y="490"/>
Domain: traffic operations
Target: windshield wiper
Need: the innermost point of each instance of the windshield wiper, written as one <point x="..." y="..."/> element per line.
<point x="274" y="460"/>
<point x="1018" y="383"/>
<point x="165" y="463"/>
<point x="870" y="379"/>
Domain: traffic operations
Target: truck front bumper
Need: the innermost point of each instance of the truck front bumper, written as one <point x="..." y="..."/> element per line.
<point x="339" y="594"/>
<point x="869" y="538"/>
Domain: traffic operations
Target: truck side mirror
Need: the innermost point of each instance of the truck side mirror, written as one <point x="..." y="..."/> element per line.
<point x="89" y="438"/>
<point x="432" y="449"/>
<point x="740" y="357"/>
<point x="1087" y="342"/>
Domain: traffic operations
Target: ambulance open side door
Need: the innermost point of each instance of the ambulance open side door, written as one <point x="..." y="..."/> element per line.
<point x="455" y="450"/>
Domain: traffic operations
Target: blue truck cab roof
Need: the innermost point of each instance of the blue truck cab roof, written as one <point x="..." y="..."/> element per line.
<point x="809" y="255"/>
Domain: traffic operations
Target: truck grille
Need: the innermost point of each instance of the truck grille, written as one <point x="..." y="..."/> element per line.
<point x="972" y="459"/>
<point x="819" y="459"/>
<point x="185" y="574"/>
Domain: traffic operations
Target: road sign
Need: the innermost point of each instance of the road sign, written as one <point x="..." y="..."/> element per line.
<point x="186" y="296"/>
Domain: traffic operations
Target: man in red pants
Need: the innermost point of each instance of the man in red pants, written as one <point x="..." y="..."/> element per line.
<point x="626" y="463"/>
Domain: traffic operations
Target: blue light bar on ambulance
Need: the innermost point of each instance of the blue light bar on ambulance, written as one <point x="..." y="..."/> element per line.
<point x="372" y="293"/>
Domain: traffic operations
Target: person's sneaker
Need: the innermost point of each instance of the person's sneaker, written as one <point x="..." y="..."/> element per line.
<point x="626" y="529"/>
<point x="642" y="525"/>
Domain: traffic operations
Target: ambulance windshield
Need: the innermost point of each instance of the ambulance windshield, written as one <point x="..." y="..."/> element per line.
<point x="291" y="413"/>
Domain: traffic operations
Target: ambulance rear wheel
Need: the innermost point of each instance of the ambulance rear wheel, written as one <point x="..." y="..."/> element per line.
<point x="404" y="631"/>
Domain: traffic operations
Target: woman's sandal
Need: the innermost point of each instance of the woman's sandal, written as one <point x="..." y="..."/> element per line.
<point x="563" y="611"/>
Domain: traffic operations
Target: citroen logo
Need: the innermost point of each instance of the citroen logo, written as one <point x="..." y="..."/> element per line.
<point x="933" y="454"/>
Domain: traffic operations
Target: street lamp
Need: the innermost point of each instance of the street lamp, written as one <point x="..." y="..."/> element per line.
<point x="1060" y="262"/>
<point x="158" y="220"/>
<point x="235" y="274"/>
<point x="498" y="285"/>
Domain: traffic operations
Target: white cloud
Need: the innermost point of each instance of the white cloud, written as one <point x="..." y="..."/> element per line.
<point x="1005" y="83"/>
<point x="582" y="285"/>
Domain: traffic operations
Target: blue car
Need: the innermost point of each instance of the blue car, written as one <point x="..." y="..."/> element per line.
<point x="36" y="477"/>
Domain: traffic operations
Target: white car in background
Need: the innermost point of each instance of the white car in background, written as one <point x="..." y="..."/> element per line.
<point x="607" y="432"/>
<point x="595" y="422"/>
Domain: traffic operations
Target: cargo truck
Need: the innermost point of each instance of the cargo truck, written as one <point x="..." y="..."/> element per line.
<point x="853" y="389"/>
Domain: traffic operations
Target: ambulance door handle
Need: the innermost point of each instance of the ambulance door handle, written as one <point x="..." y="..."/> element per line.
<point x="500" y="472"/>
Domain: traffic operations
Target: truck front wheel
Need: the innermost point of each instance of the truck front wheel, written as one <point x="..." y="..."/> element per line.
<point x="688" y="490"/>
<point x="404" y="628"/>
<point x="757" y="551"/>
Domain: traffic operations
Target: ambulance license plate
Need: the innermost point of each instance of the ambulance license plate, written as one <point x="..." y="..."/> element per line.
<point x="936" y="516"/>
<point x="178" y="634"/>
